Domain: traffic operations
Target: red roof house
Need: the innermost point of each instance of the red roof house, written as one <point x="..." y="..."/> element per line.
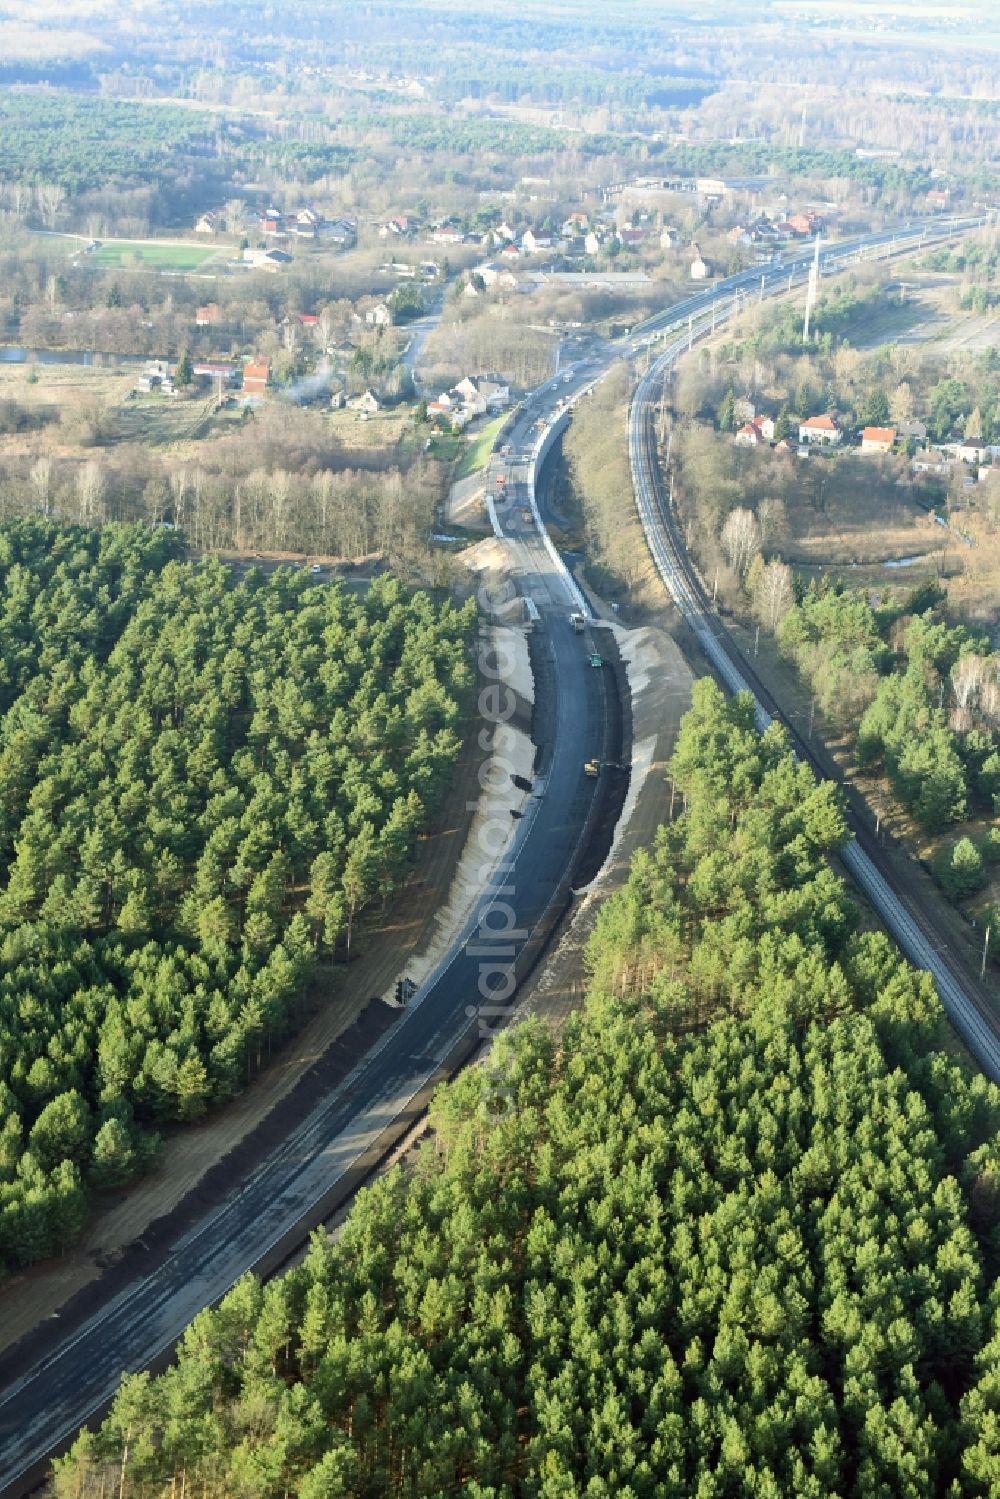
<point x="877" y="439"/>
<point x="821" y="429"/>
<point x="256" y="377"/>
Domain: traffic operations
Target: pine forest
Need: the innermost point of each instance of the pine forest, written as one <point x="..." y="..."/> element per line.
<point x="204" y="781"/>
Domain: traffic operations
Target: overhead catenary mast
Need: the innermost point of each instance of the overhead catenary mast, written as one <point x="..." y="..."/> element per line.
<point x="811" y="291"/>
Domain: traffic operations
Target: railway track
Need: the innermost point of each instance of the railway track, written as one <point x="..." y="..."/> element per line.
<point x="914" y="927"/>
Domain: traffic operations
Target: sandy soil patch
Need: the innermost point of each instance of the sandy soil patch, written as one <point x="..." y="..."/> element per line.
<point x="466" y="504"/>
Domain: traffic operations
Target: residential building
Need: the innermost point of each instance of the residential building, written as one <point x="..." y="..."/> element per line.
<point x="156" y="376"/>
<point x="699" y="267"/>
<point x="207" y="316"/>
<point x="936" y="468"/>
<point x="533" y="241"/>
<point x="367" y="403"/>
<point x="343" y="232"/>
<point x="266" y="260"/>
<point x="494" y="275"/>
<point x="256" y="377"/>
<point x="756" y="433"/>
<point x="207" y="223"/>
<point x="219" y="372"/>
<point x="878" y="439"/>
<point x="824" y="430"/>
<point x="379" y="316"/>
<point x="403" y="226"/>
<point x="448" y="234"/>
<point x="493" y="391"/>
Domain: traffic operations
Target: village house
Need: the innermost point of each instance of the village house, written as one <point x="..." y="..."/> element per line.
<point x="342" y="232"/>
<point x="367" y="403"/>
<point x="155" y="377"/>
<point x="448" y="234"/>
<point x="577" y="223"/>
<point x="494" y="275"/>
<point x="823" y="430"/>
<point x="805" y="225"/>
<point x="207" y="316"/>
<point x="489" y="389"/>
<point x="379" y="316"/>
<point x="453" y="410"/>
<point x="219" y="372"/>
<point x="972" y="451"/>
<point x="500" y="235"/>
<point x="756" y="433"/>
<point x="911" y="432"/>
<point x="510" y="252"/>
<point x="266" y="260"/>
<point x="878" y="439"/>
<point x="272" y="222"/>
<point x="699" y="266"/>
<point x="935" y="468"/>
<point x="256" y="377"/>
<point x="533" y="241"/>
<point x="403" y="226"/>
<point x="207" y="223"/>
<point x="668" y="238"/>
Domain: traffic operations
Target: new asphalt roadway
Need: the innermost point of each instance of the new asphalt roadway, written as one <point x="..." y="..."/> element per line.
<point x="49" y="1396"/>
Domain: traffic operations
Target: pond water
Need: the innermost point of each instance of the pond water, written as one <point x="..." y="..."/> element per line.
<point x="14" y="354"/>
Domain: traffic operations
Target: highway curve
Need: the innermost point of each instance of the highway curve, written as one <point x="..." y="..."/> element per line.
<point x="48" y="1396"/>
<point x="914" y="927"/>
<point x="297" y="1184"/>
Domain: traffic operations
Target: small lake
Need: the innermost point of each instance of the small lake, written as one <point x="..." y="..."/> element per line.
<point x="12" y="354"/>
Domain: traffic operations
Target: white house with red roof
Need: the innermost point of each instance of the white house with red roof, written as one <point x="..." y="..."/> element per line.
<point x="825" y="430"/>
<point x="757" y="433"/>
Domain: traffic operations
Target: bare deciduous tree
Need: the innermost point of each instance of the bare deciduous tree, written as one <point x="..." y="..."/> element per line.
<point x="41" y="482"/>
<point x="741" y="539"/>
<point x="90" y="489"/>
<point x="774" y="594"/>
<point x="50" y="197"/>
<point x="967" y="678"/>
